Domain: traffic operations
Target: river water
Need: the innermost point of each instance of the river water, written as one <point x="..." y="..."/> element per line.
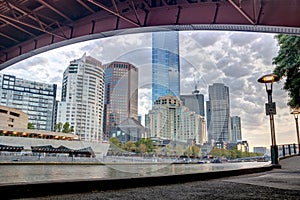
<point x="13" y="174"/>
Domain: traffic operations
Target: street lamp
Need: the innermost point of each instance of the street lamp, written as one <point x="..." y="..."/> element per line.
<point x="268" y="80"/>
<point x="296" y="113"/>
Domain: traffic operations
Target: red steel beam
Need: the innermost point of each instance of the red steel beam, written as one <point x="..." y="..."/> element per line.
<point x="238" y="8"/>
<point x="54" y="9"/>
<point x="114" y="13"/>
<point x="274" y="16"/>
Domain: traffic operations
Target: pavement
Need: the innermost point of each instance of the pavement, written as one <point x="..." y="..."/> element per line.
<point x="276" y="184"/>
<point x="287" y="178"/>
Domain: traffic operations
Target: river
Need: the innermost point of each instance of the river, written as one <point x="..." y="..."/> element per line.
<point x="13" y="174"/>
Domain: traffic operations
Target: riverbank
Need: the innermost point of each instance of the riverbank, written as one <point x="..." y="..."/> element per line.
<point x="273" y="184"/>
<point x="46" y="188"/>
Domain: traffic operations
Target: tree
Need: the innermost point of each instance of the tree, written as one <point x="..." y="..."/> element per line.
<point x="67" y="128"/>
<point x="142" y="148"/>
<point x="58" y="127"/>
<point x="115" y="141"/>
<point x="193" y="151"/>
<point x="30" y="126"/>
<point x="288" y="65"/>
<point x="196" y="150"/>
<point x="146" y="141"/>
<point x="130" y="146"/>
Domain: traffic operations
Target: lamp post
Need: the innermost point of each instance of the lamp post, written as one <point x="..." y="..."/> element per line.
<point x="296" y="113"/>
<point x="268" y="80"/>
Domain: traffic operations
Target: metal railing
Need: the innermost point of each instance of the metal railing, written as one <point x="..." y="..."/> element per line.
<point x="286" y="150"/>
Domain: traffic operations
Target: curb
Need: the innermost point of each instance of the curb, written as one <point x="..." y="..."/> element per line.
<point x="40" y="189"/>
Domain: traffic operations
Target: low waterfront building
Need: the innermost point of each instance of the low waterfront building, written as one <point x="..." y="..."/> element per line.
<point x="242" y="146"/>
<point x="15" y="137"/>
<point x="13" y="118"/>
<point x="129" y="130"/>
<point x="32" y="142"/>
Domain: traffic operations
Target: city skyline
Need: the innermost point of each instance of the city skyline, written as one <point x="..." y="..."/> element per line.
<point x="237" y="59"/>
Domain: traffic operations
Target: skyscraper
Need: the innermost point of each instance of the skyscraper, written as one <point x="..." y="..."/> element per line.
<point x="218" y="114"/>
<point x="82" y="98"/>
<point x="121" y="96"/>
<point x="194" y="101"/>
<point x="236" y="128"/>
<point x="165" y="65"/>
<point x="36" y="99"/>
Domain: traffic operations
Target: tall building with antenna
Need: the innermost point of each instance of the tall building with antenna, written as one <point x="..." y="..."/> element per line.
<point x="194" y="101"/>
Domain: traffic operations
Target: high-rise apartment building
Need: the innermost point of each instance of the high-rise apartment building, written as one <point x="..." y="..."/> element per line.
<point x="121" y="95"/>
<point x="165" y="65"/>
<point x="36" y="99"/>
<point x="169" y="119"/>
<point x="218" y="114"/>
<point x="236" y="131"/>
<point x="82" y="100"/>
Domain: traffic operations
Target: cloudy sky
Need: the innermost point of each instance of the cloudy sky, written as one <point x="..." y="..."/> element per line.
<point x="236" y="59"/>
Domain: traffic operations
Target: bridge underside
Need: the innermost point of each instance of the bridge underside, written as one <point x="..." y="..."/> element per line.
<point x="29" y="27"/>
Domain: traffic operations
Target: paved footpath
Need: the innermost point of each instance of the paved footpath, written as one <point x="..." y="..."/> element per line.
<point x="276" y="184"/>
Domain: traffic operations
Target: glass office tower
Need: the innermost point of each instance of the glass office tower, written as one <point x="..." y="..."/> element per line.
<point x="194" y="101"/>
<point x="121" y="96"/>
<point x="236" y="129"/>
<point x="218" y="114"/>
<point x="165" y="65"/>
<point x="36" y="99"/>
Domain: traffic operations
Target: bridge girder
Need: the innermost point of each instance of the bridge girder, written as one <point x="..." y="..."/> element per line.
<point x="30" y="27"/>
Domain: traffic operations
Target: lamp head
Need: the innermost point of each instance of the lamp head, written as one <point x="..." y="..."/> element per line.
<point x="295" y="112"/>
<point x="269" y="78"/>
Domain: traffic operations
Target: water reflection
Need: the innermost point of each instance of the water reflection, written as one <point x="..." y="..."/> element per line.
<point x="12" y="174"/>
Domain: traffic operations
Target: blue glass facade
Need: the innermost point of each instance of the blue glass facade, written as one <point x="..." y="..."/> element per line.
<point x="165" y="65"/>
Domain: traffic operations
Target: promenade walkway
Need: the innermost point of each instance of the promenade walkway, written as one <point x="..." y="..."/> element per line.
<point x="281" y="183"/>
